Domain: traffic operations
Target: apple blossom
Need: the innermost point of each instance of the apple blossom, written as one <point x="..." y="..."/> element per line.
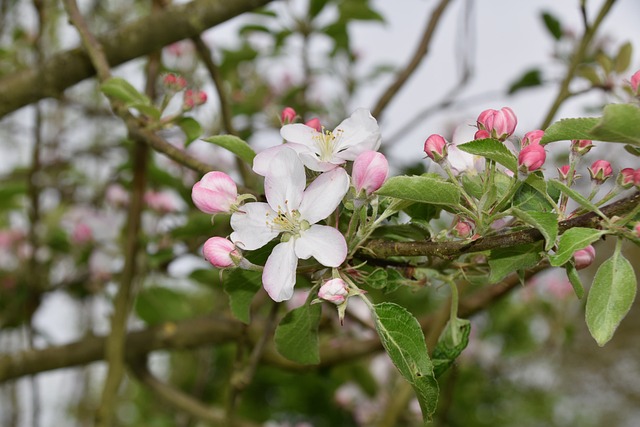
<point x="288" y="115"/>
<point x="563" y="172"/>
<point x="435" y="147"/>
<point x="500" y="124"/>
<point x="292" y="211"/>
<point x="323" y="151"/>
<point x="370" y="170"/>
<point x="600" y="171"/>
<point x="221" y="252"/>
<point x="335" y="291"/>
<point x="581" y="146"/>
<point x="635" y="82"/>
<point x="315" y="124"/>
<point x="636" y="229"/>
<point x="532" y="137"/>
<point x="174" y="82"/>
<point x="463" y="229"/>
<point x="583" y="258"/>
<point x="531" y="158"/>
<point x="481" y="134"/>
<point x="626" y="178"/>
<point x="215" y="193"/>
<point x="193" y="99"/>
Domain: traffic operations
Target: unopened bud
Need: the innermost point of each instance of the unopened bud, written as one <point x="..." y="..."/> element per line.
<point x="221" y="252"/>
<point x="584" y="257"/>
<point x="174" y="82"/>
<point x="581" y="146"/>
<point x="626" y="178"/>
<point x="531" y="158"/>
<point x="500" y="124"/>
<point x="193" y="99"/>
<point x="315" y="123"/>
<point x="287" y="116"/>
<point x="532" y="137"/>
<point x="215" y="193"/>
<point x="370" y="170"/>
<point x="635" y="83"/>
<point x="335" y="291"/>
<point x="436" y="148"/>
<point x="463" y="229"/>
<point x="600" y="171"/>
<point x="636" y="229"/>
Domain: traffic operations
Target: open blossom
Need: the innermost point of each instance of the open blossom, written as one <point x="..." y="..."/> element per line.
<point x="600" y="171"/>
<point x="334" y="290"/>
<point x="214" y="193"/>
<point x="500" y="124"/>
<point x="583" y="258"/>
<point x="323" y="151"/>
<point x="292" y="211"/>
<point x="370" y="170"/>
<point x="220" y="252"/>
<point x="531" y="158"/>
<point x="435" y="147"/>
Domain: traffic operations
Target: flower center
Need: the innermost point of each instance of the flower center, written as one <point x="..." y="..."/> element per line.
<point x="326" y="142"/>
<point x="289" y="223"/>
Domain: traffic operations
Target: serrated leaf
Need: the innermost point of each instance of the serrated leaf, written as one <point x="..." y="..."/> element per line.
<point x="241" y="286"/>
<point x="574" y="279"/>
<point x="453" y="340"/>
<point x="583" y="201"/>
<point x="619" y="123"/>
<point x="623" y="58"/>
<point x="122" y="90"/>
<point x="610" y="297"/>
<point x="191" y="128"/>
<point x="296" y="337"/>
<point x="529" y="79"/>
<point x="505" y="261"/>
<point x="421" y="189"/>
<point x="157" y="304"/>
<point x="492" y="149"/>
<point x="553" y="25"/>
<point x="568" y="129"/>
<point x="545" y="222"/>
<point x="573" y="240"/>
<point x="234" y="144"/>
<point x="402" y="338"/>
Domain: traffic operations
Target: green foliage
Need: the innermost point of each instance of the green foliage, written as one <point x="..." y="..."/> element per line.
<point x="574" y="279"/>
<point x="453" y="340"/>
<point x="610" y="297"/>
<point x="296" y="337"/>
<point x="531" y="78"/>
<point x="241" y="286"/>
<point x="403" y="340"/>
<point x="545" y="222"/>
<point x="553" y="25"/>
<point x="191" y="128"/>
<point x="423" y="189"/>
<point x="158" y="304"/>
<point x="583" y="201"/>
<point x="573" y="240"/>
<point x="234" y="144"/>
<point x="505" y="261"/>
<point x="492" y="149"/>
<point x="120" y="89"/>
<point x="568" y="129"/>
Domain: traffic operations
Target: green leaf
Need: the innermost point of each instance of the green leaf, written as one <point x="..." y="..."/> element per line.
<point x="553" y="25"/>
<point x="241" y="286"/>
<point x="589" y="72"/>
<point x="505" y="261"/>
<point x="122" y="90"/>
<point x="620" y="123"/>
<point x="234" y="144"/>
<point x="623" y="58"/>
<point x="568" y="129"/>
<point x="452" y="342"/>
<point x="573" y="240"/>
<point x="529" y="79"/>
<point x="191" y="129"/>
<point x="492" y="149"/>
<point x="583" y="201"/>
<point x="574" y="279"/>
<point x="423" y="189"/>
<point x="545" y="222"/>
<point x="146" y="109"/>
<point x="610" y="297"/>
<point x="296" y="337"/>
<point x="402" y="338"/>
<point x="157" y="304"/>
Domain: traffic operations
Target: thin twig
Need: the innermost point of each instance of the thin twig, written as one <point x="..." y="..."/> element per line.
<point x="416" y="59"/>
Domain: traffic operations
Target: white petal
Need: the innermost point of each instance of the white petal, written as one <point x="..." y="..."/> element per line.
<point x="357" y="134"/>
<point x="301" y="134"/>
<point x="251" y="229"/>
<point x="324" y="243"/>
<point x="279" y="275"/>
<point x="324" y="195"/>
<point x="312" y="161"/>
<point x="285" y="181"/>
<point x="262" y="160"/>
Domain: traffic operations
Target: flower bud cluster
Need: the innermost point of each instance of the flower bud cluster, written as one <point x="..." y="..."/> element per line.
<point x="498" y="124"/>
<point x="193" y="98"/>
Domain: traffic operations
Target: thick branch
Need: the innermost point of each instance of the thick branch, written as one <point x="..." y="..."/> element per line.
<point x="385" y="249"/>
<point x="131" y="41"/>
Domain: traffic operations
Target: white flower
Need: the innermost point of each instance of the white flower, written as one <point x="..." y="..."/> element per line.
<point x="293" y="212"/>
<point x="323" y="151"/>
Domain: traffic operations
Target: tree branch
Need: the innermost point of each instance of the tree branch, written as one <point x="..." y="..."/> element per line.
<point x="129" y="42"/>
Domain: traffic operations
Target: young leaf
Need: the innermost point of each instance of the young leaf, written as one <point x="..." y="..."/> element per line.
<point x="529" y="79"/>
<point x="122" y="90"/>
<point x="568" y="129"/>
<point x="623" y="59"/>
<point x="545" y="222"/>
<point x="296" y="337"/>
<point x="156" y="305"/>
<point x="191" y="129"/>
<point x="505" y="261"/>
<point x="241" y="286"/>
<point x="423" y="189"/>
<point x="574" y="279"/>
<point x="583" y="201"/>
<point x="553" y="25"/>
<point x="492" y="149"/>
<point x="452" y="342"/>
<point x="146" y="109"/>
<point x="620" y="123"/>
<point x="610" y="297"/>
<point x="234" y="144"/>
<point x="402" y="338"/>
<point x="573" y="240"/>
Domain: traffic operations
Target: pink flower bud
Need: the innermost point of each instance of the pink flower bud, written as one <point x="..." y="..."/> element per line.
<point x="626" y="178"/>
<point x="636" y="178"/>
<point x="370" y="170"/>
<point x="532" y="137"/>
<point x="481" y="134"/>
<point x="193" y="99"/>
<point x="600" y="171"/>
<point x="288" y="116"/>
<point x="584" y="257"/>
<point x="315" y="123"/>
<point x="221" y="252"/>
<point x="174" y="82"/>
<point x="334" y="290"/>
<point x="463" y="229"/>
<point x="499" y="123"/>
<point x="563" y="172"/>
<point x="436" y="147"/>
<point x="635" y="82"/>
<point x="581" y="146"/>
<point x="636" y="229"/>
<point x="214" y="193"/>
<point x="531" y="158"/>
<point x="161" y="201"/>
<point x="81" y="233"/>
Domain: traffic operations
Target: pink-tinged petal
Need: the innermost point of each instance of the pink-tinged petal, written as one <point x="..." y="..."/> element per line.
<point x="357" y="134"/>
<point x="262" y="160"/>
<point x="279" y="275"/>
<point x="324" y="195"/>
<point x="251" y="226"/>
<point x="324" y="243"/>
<point x="214" y="193"/>
<point x="218" y="251"/>
<point x="370" y="170"/>
<point x="301" y="134"/>
<point x="285" y="181"/>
